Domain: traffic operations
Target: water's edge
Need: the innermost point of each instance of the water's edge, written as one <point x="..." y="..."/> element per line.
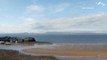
<point x="20" y="48"/>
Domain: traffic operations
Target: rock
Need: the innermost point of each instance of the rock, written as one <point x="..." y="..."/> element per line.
<point x="29" y="39"/>
<point x="7" y="43"/>
<point x="2" y="42"/>
<point x="17" y="39"/>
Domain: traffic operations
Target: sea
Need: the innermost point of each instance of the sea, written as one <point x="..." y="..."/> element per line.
<point x="65" y="38"/>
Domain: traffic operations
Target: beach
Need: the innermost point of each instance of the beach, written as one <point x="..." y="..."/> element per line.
<point x="62" y="51"/>
<point x="77" y="50"/>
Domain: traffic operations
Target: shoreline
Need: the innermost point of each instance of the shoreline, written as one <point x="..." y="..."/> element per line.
<point x="72" y="54"/>
<point x="79" y="50"/>
<point x="27" y="49"/>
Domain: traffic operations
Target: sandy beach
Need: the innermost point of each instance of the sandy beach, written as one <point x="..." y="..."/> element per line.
<point x="85" y="50"/>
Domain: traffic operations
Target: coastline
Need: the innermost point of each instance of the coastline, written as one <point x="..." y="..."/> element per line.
<point x="76" y="50"/>
<point x="61" y="51"/>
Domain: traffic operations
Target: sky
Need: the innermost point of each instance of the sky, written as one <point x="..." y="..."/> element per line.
<point x="42" y="16"/>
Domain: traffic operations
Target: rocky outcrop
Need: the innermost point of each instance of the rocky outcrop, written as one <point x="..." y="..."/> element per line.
<point x="29" y="39"/>
<point x="17" y="39"/>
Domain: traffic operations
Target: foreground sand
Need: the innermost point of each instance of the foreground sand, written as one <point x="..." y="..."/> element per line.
<point x="72" y="50"/>
<point x="15" y="55"/>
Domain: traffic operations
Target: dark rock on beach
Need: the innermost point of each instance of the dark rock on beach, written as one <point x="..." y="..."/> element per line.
<point x="16" y="39"/>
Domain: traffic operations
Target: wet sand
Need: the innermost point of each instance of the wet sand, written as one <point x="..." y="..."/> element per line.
<point x="82" y="50"/>
<point x="62" y="51"/>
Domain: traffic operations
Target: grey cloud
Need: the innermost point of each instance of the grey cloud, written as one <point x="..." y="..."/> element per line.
<point x="94" y="22"/>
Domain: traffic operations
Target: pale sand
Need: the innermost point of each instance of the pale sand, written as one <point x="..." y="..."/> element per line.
<point x="72" y="50"/>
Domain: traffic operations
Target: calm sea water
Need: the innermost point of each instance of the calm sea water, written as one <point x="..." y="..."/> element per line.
<point x="73" y="38"/>
<point x="65" y="38"/>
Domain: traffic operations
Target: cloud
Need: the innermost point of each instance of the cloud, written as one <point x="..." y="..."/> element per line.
<point x="101" y="4"/>
<point x="9" y="28"/>
<point x="92" y="23"/>
<point x="87" y="8"/>
<point x="35" y="8"/>
<point x="89" y="23"/>
<point x="59" y="7"/>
